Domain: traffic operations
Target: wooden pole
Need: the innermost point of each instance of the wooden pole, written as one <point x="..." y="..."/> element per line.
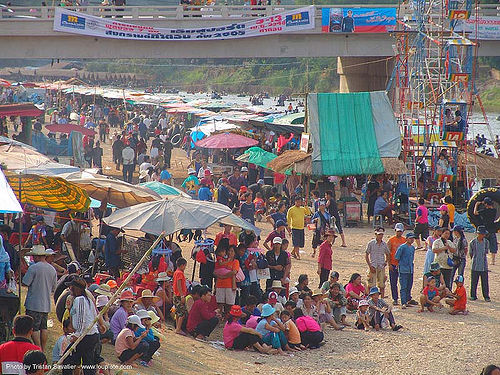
<point x="111" y="301"/>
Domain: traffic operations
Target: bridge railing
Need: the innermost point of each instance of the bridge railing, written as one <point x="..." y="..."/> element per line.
<point x="159" y="12"/>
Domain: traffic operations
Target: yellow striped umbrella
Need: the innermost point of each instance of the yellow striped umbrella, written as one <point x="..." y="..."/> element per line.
<point x="54" y="193"/>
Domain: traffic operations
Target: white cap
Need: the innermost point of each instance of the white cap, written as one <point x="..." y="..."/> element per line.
<point x="101" y="300"/>
<point x="191" y="171"/>
<point x="244" y="169"/>
<point x="277" y="240"/>
<point x="363" y="302"/>
<point x="399" y="227"/>
<point x="134" y="319"/>
<point x="293" y="290"/>
<point x="142" y="314"/>
<point x="50" y="251"/>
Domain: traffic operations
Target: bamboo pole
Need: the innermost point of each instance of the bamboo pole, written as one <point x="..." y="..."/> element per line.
<point x="111" y="301"/>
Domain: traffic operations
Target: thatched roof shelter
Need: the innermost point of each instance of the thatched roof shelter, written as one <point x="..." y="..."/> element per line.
<point x="287" y="159"/>
<point x="394" y="166"/>
<point x="487" y="166"/>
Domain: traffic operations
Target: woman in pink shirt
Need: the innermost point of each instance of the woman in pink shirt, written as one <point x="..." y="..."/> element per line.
<point x="355" y="291"/>
<point x="310" y="331"/>
<point x="325" y="256"/>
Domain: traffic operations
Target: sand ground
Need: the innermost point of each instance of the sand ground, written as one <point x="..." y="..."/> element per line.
<point x="430" y="343"/>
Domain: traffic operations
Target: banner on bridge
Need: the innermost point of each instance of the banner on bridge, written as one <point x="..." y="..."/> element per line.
<point x="84" y="24"/>
<point x="487" y="27"/>
<point x="358" y="20"/>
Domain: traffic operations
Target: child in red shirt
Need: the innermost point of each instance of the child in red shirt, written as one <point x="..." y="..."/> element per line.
<point x="458" y="303"/>
<point x="180" y="292"/>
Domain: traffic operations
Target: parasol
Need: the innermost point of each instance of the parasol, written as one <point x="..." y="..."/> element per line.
<point x="53" y="193"/>
<point x="237" y="221"/>
<point x="9" y="202"/>
<point x="226" y="140"/>
<point x="68" y="128"/>
<point x="168" y="215"/>
<point x="164" y="189"/>
<point x="113" y="191"/>
<point x="17" y="156"/>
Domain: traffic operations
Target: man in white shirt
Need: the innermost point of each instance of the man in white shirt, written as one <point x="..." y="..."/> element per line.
<point x="163" y="122"/>
<point x="128" y="156"/>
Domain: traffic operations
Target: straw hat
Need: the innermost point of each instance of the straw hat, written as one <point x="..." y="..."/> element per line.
<point x="154" y="318"/>
<point x="317" y="292"/>
<point x="146" y="293"/>
<point x="143" y="173"/>
<point x="163" y="276"/>
<point x="104" y="290"/>
<point x="38" y="250"/>
<point x="143" y="314"/>
<point x="276" y="284"/>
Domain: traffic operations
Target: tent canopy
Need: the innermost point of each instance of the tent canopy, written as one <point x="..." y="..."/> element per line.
<point x="226" y="140"/>
<point x="351" y="132"/>
<point x="258" y="156"/>
<point x="20" y="109"/>
<point x="9" y="202"/>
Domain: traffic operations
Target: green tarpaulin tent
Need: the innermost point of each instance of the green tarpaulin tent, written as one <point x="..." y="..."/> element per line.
<point x="258" y="156"/>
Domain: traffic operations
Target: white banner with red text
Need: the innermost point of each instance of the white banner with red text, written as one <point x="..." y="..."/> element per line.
<point x="84" y="24"/>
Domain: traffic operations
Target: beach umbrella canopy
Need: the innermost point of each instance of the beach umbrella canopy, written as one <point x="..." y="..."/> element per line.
<point x="9" y="202"/>
<point x="257" y="156"/>
<point x="113" y="191"/>
<point x="164" y="189"/>
<point x="68" y="128"/>
<point x="54" y="193"/>
<point x="16" y="156"/>
<point x="237" y="221"/>
<point x="226" y="140"/>
<point x="49" y="169"/>
<point x="168" y="215"/>
<point x="9" y="141"/>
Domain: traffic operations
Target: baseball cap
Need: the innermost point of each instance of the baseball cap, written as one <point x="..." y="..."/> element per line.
<point x="334" y="274"/>
<point x="380" y="230"/>
<point x="142" y="314"/>
<point x="260" y="182"/>
<point x="399" y="227"/>
<point x="134" y="319"/>
<point x="459" y="279"/>
<point x="244" y="169"/>
<point x="481" y="229"/>
<point x="363" y="302"/>
<point x="277" y="240"/>
<point x="280" y="223"/>
<point x="374" y="290"/>
<point x="410" y="235"/>
<point x="225" y="181"/>
<point x="191" y="171"/>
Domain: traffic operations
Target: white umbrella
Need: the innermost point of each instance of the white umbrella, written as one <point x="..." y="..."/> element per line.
<point x="49" y="169"/>
<point x="168" y="215"/>
<point x="9" y="202"/>
<point x="237" y="221"/>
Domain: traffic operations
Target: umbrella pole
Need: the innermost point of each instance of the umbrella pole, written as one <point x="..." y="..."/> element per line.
<point x="111" y="301"/>
<point x="20" y="248"/>
<point x="194" y="270"/>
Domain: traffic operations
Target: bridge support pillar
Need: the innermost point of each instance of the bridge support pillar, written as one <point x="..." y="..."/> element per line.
<point x="364" y="73"/>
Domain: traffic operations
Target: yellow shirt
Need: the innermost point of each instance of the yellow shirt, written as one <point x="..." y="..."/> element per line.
<point x="451" y="212"/>
<point x="296" y="216"/>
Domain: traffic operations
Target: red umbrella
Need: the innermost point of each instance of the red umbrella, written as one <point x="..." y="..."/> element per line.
<point x="4" y="83"/>
<point x="226" y="140"/>
<point x="68" y="128"/>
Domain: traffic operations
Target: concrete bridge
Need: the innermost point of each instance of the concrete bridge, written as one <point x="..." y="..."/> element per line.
<point x="27" y="33"/>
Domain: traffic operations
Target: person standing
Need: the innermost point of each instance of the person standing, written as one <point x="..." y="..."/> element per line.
<point x="71" y="233"/>
<point x="442" y="247"/>
<point x="371" y="195"/>
<point x="277" y="260"/>
<point x="393" y="244"/>
<point x="295" y="217"/>
<point x="421" y="223"/>
<point x="128" y="160"/>
<point x="41" y="280"/>
<point x="405" y="256"/>
<point x="488" y="214"/>
<point x="377" y="256"/>
<point x="117" y="148"/>
<point x="167" y="151"/>
<point x="333" y="210"/>
<point x="97" y="155"/>
<point x="112" y="252"/>
<point x="325" y="256"/>
<point x="478" y="250"/>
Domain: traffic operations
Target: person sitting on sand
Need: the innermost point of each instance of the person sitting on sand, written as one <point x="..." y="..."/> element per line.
<point x="436" y="274"/>
<point x="310" y="330"/>
<point x="458" y="302"/>
<point x="292" y="333"/>
<point x="355" y="291"/>
<point x="294" y="296"/>
<point x="338" y="303"/>
<point x="363" y="316"/>
<point x="430" y="296"/>
<point x="127" y="346"/>
<point x="379" y="309"/>
<point x="324" y="310"/>
<point x="272" y="329"/>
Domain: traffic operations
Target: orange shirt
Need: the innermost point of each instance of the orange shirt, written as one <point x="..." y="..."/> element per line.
<point x="179" y="276"/>
<point x="228" y="282"/>
<point x="451" y="212"/>
<point x="293" y="332"/>
<point x="393" y="244"/>
<point x="461" y="302"/>
<point x="231" y="236"/>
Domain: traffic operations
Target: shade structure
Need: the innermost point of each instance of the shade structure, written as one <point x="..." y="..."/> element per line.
<point x="49" y="169"/>
<point x="257" y="156"/>
<point x="116" y="192"/>
<point x="237" y="221"/>
<point x="164" y="189"/>
<point x="53" y="193"/>
<point x="9" y="202"/>
<point x="20" y="109"/>
<point x="168" y="215"/>
<point x="8" y="141"/>
<point x="68" y="128"/>
<point x="15" y="156"/>
<point x="226" y="140"/>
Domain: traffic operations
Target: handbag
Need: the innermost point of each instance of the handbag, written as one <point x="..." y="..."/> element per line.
<point x="240" y="276"/>
<point x="449" y="260"/>
<point x="262" y="262"/>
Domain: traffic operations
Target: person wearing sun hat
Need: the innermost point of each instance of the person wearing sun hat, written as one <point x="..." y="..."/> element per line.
<point x="191" y="183"/>
<point x="379" y="309"/>
<point x="127" y="346"/>
<point x="238" y="337"/>
<point x="83" y="313"/>
<point x="119" y="318"/>
<point x="272" y="329"/>
<point x="150" y="339"/>
<point x="148" y="301"/>
<point x="104" y="290"/>
<point x="41" y="280"/>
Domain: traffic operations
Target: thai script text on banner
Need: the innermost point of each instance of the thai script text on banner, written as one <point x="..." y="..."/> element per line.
<point x="358" y="20"/>
<point x="488" y="27"/>
<point x="84" y="24"/>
